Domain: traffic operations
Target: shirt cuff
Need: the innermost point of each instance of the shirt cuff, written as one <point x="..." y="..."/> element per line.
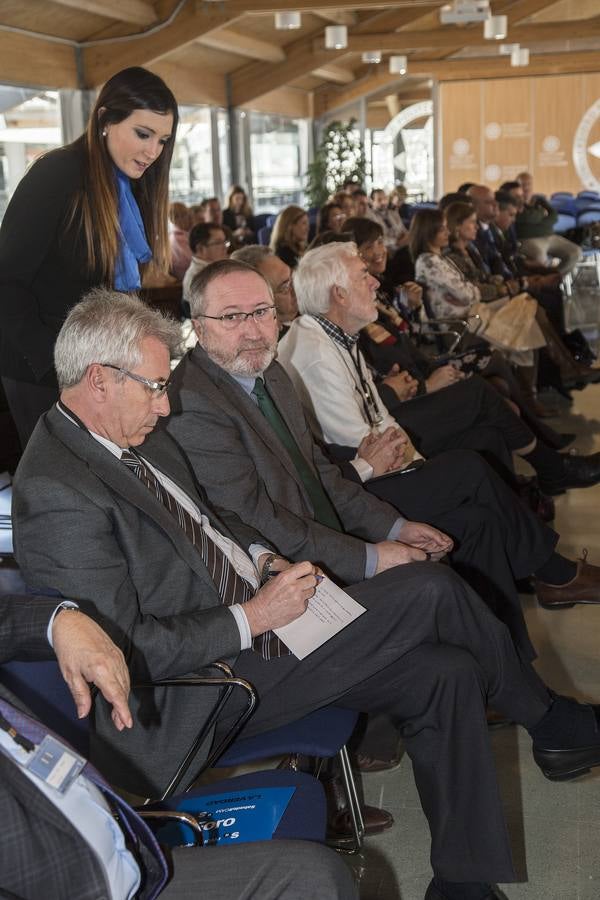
<point x="66" y="604"/>
<point x="364" y="469"/>
<point x="241" y="620"/>
<point x="371" y="561"/>
<point x="396" y="529"/>
<point x="256" y="551"/>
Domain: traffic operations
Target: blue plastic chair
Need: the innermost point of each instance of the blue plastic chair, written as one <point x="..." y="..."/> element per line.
<point x="321" y="734"/>
<point x="564" y="222"/>
<point x="264" y="235"/>
<point x="588" y="195"/>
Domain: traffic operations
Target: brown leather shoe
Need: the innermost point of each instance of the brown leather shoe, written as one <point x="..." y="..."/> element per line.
<point x="376" y="820"/>
<point x="370" y="764"/>
<point x="584" y="588"/>
<point x="338" y="816"/>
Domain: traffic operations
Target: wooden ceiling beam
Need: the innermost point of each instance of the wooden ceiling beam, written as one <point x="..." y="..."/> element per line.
<point x="243" y="45"/>
<point x="473" y="68"/>
<point x="469" y="37"/>
<point x="137" y="12"/>
<point x="337" y="74"/>
<point x="337" y="16"/>
<point x="36" y="63"/>
<point x="302" y="58"/>
<point x="317" y="6"/>
<point x="102" y="60"/>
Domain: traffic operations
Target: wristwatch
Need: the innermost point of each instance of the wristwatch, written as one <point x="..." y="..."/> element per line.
<point x="266" y="573"/>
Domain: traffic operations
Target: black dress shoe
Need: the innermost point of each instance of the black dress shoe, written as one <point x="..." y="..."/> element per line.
<point x="566" y="743"/>
<point x="435" y="890"/>
<point x="578" y="472"/>
<point x="562" y="440"/>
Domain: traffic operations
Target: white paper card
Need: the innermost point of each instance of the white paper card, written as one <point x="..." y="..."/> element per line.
<point x="329" y="611"/>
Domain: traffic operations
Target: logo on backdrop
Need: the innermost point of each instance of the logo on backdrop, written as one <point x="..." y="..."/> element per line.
<point x="586" y="148"/>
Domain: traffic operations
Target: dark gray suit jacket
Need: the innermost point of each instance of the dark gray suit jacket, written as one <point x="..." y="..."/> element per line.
<point x="86" y="526"/>
<point x="244" y="467"/>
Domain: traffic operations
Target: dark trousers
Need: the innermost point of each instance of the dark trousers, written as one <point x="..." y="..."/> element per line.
<point x="429" y="654"/>
<point x="27" y="402"/>
<point x="469" y="415"/>
<point x="497" y="538"/>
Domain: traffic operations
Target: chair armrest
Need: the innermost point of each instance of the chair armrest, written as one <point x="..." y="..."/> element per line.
<point x="166" y="815"/>
<point x="226" y="680"/>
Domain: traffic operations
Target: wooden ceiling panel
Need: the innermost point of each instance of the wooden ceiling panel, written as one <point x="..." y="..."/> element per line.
<point x="51" y="18"/>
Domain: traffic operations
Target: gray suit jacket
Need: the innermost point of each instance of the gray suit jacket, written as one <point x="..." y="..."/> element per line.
<point x="244" y="467"/>
<point x="86" y="526"/>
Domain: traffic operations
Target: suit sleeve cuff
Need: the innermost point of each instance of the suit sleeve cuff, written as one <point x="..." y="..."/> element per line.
<point x="237" y="611"/>
<point x="66" y="604"/>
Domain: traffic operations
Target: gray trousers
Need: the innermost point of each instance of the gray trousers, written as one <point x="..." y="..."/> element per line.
<point x="428" y="653"/>
<point x="540" y="249"/>
<point x="271" y="870"/>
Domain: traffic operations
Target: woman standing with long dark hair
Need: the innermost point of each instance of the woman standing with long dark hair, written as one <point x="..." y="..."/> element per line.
<point x="91" y="213"/>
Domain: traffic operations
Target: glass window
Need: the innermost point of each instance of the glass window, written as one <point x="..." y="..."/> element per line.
<point x="278" y="159"/>
<point x="29" y="126"/>
<point x="223" y="144"/>
<point x="191" y="176"/>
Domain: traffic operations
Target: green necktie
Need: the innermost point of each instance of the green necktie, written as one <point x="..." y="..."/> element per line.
<point x="323" y="508"/>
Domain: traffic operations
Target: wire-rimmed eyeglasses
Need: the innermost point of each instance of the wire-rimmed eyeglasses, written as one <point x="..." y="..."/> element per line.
<point x="233" y="320"/>
<point x="158" y="388"/>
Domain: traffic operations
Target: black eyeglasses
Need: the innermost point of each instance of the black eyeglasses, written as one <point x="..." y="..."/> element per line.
<point x="233" y="320"/>
<point x="157" y="388"/>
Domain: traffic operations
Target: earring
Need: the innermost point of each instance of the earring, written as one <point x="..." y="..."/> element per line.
<point x="104" y="133"/>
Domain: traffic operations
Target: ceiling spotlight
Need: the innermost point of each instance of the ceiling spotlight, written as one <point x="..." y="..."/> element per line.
<point x="520" y="57"/>
<point x="495" y="28"/>
<point x="398" y="65"/>
<point x="372" y="57"/>
<point x="336" y="37"/>
<point x="286" y="21"/>
<point x="507" y="49"/>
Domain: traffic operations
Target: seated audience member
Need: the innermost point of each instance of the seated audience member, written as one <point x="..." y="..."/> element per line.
<point x="534" y="227"/>
<point x="463" y="253"/>
<point x="160" y="567"/>
<point x="387" y="345"/>
<point x="290" y="234"/>
<point x="331" y="218"/>
<point x="180" y="222"/>
<point x="465" y="187"/>
<point x="197" y="213"/>
<point x="345" y="200"/>
<point x="211" y="211"/>
<point x="207" y="244"/>
<point x="395" y="234"/>
<point x="67" y="845"/>
<point x="455" y="492"/>
<point x="452" y="197"/>
<point x="279" y="277"/>
<point x="238" y="217"/>
<point x="361" y="203"/>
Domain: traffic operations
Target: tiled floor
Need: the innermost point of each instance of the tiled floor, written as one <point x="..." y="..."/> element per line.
<point x="555" y="828"/>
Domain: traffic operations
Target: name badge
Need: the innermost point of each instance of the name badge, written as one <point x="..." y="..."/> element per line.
<point x="57" y="766"/>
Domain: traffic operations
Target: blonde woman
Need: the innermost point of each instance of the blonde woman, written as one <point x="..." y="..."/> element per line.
<point x="290" y="235"/>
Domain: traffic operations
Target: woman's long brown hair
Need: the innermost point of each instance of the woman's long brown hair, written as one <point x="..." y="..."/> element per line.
<point x="95" y="207"/>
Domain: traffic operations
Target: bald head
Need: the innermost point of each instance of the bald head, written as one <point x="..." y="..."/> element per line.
<point x="484" y="202"/>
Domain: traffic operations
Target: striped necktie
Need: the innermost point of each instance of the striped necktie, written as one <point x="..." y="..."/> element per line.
<point x="148" y="853"/>
<point x="232" y="588"/>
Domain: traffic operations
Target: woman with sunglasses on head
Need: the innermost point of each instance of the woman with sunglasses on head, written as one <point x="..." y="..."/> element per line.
<point x="92" y="213"/>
